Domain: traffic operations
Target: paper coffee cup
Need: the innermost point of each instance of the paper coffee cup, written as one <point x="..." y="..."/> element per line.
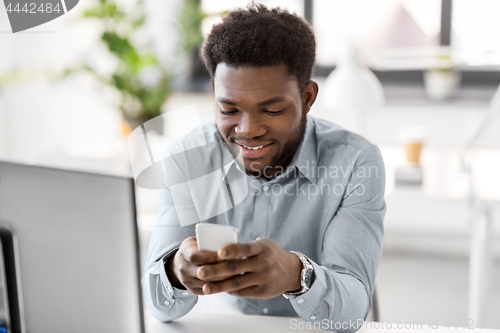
<point x="413" y="138"/>
<point x="413" y="150"/>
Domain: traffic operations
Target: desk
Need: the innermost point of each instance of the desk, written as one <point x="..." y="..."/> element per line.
<point x="446" y="185"/>
<point x="222" y="323"/>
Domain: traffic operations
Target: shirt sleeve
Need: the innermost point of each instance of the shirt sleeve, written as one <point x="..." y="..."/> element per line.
<point x="340" y="297"/>
<point x="164" y="301"/>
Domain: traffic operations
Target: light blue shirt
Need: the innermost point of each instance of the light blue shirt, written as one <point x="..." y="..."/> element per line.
<point x="328" y="204"/>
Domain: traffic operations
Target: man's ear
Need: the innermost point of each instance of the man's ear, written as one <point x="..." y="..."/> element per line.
<point x="309" y="95"/>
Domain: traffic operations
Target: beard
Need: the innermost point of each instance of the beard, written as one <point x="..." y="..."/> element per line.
<point x="284" y="153"/>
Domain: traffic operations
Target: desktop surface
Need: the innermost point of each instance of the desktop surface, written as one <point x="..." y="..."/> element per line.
<point x="239" y="323"/>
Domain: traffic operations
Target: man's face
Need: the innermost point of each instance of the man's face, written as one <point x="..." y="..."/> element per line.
<point x="263" y="113"/>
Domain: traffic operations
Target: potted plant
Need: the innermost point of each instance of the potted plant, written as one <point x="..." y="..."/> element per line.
<point x="142" y="82"/>
<point x="188" y="24"/>
<point x="442" y="82"/>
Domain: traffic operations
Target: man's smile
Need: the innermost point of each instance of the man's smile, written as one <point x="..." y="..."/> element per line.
<point x="254" y="151"/>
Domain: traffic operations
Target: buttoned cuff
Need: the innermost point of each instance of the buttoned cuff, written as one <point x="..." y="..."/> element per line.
<point x="172" y="293"/>
<point x="306" y="305"/>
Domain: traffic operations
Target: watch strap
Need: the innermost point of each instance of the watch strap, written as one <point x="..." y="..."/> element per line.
<point x="306" y="265"/>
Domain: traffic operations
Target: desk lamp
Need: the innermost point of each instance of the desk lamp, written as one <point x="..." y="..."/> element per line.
<point x="353" y="89"/>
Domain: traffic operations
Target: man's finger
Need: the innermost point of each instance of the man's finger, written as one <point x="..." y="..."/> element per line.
<point x="188" y="269"/>
<point x="196" y="291"/>
<point x="252" y="291"/>
<point x="225" y="269"/>
<point x="203" y="257"/>
<point x="232" y="284"/>
<point x="188" y="276"/>
<point x="190" y="252"/>
<point x="241" y="250"/>
<point x="197" y="257"/>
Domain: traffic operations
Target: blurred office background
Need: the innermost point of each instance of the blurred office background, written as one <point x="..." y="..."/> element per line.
<point x="71" y="90"/>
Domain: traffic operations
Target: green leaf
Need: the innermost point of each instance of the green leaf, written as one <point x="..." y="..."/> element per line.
<point x="118" y="28"/>
<point x="189" y="25"/>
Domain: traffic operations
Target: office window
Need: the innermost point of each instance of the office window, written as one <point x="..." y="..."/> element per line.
<point x="475" y="27"/>
<point x="374" y="25"/>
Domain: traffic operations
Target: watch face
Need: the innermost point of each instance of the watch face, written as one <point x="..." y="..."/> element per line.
<point x="307" y="277"/>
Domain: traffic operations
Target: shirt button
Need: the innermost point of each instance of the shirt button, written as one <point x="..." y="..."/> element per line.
<point x="185" y="293"/>
<point x="166" y="303"/>
<point x="266" y="188"/>
<point x="313" y="317"/>
<point x="265" y="310"/>
<point x="300" y="301"/>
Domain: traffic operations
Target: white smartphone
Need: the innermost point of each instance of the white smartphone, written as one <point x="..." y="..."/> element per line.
<point x="212" y="237"/>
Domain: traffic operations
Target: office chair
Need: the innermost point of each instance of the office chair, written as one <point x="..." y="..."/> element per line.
<point x="374" y="314"/>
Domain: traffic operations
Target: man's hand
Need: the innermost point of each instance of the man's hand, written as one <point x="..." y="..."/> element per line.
<point x="182" y="268"/>
<point x="259" y="269"/>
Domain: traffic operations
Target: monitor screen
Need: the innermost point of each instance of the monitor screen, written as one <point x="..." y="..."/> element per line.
<point x="70" y="251"/>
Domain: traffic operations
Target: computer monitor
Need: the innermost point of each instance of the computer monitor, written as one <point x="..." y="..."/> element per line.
<point x="70" y="249"/>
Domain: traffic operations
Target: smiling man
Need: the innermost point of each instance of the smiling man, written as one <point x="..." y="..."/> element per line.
<point x="311" y="225"/>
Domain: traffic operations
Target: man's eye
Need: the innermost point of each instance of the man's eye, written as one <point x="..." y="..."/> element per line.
<point x="228" y="113"/>
<point x="274" y="113"/>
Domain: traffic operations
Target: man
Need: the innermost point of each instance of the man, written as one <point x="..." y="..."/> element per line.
<point x="314" y="189"/>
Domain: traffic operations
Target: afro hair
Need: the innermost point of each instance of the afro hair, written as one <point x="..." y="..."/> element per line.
<point x="258" y="36"/>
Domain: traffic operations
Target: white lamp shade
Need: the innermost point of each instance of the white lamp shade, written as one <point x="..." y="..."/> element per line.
<point x="352" y="85"/>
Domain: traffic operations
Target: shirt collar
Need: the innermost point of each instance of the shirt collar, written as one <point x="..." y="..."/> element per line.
<point x="232" y="164"/>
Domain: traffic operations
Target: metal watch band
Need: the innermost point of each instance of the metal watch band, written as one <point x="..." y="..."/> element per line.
<point x="306" y="266"/>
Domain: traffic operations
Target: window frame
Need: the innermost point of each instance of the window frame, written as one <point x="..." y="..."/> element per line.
<point x="469" y="76"/>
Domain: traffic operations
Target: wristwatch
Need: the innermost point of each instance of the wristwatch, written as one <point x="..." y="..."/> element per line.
<point x="307" y="275"/>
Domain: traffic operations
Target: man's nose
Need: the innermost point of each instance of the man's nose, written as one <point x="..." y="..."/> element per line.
<point x="250" y="126"/>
